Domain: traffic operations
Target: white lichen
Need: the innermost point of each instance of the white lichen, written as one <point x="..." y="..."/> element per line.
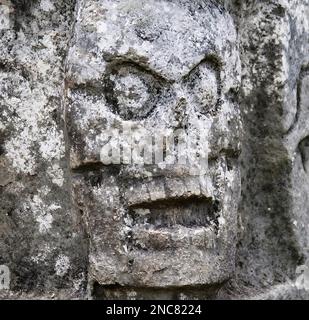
<point x="62" y="265"/>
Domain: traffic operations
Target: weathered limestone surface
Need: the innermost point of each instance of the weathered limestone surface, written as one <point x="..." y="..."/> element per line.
<point x="41" y="235"/>
<point x="80" y="77"/>
<point x="274" y="102"/>
<point x="147" y="227"/>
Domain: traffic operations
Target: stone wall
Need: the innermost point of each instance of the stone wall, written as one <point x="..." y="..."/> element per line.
<point x="80" y="78"/>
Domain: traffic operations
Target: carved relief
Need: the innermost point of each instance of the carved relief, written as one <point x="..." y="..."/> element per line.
<point x="150" y="225"/>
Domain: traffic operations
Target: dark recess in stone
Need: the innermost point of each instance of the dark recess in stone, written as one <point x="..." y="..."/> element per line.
<point x="304" y="152"/>
<point x="117" y="291"/>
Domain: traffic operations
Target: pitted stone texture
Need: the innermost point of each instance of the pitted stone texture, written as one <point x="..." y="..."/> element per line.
<point x="146" y="69"/>
<point x="70" y="75"/>
<point x="275" y="213"/>
<point x="40" y="234"/>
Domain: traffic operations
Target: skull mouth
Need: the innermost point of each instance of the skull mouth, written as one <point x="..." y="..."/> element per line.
<point x="164" y="213"/>
<point x="172" y="222"/>
<point x="170" y="212"/>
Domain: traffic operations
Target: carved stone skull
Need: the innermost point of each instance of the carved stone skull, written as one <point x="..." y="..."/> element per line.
<point x="149" y="68"/>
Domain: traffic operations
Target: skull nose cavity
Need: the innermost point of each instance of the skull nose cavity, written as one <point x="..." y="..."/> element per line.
<point x="181" y="112"/>
<point x="182" y="102"/>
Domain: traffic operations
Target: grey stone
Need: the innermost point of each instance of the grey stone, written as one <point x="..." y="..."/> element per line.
<point x="154" y="149"/>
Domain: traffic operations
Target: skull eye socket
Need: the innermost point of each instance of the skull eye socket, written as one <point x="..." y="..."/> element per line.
<point x="204" y="87"/>
<point x="132" y="93"/>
